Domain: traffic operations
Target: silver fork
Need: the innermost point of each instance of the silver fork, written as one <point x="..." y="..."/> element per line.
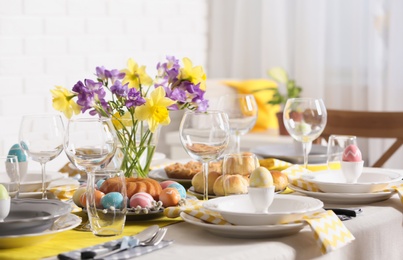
<point x="152" y="242"/>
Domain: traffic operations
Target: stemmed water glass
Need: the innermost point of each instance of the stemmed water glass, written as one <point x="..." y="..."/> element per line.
<point x="242" y="113"/>
<point x="41" y="137"/>
<point x="90" y="143"/>
<point x="305" y="119"/>
<point x="204" y="135"/>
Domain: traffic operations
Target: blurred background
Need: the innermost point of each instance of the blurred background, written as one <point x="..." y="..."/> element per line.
<point x="347" y="52"/>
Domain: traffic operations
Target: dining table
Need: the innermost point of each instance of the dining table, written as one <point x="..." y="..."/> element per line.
<point x="378" y="232"/>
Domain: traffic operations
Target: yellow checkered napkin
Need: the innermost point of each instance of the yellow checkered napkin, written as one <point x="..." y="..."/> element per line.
<point x="63" y="189"/>
<point x="194" y="208"/>
<point x="329" y="231"/>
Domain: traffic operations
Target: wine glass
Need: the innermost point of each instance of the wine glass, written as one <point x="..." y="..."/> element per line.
<point x="242" y="113"/>
<point x="90" y="143"/>
<point x="305" y="119"/>
<point x="41" y="137"/>
<point x="204" y="135"/>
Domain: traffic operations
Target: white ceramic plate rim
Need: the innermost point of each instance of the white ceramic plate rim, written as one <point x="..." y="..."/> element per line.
<point x="49" y="177"/>
<point x="345" y="198"/>
<point x="316" y="205"/>
<point x="75" y="223"/>
<point x="395" y="176"/>
<point x="35" y="203"/>
<point x="262" y="228"/>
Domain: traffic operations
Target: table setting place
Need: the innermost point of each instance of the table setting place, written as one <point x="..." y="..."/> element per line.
<point x="114" y="199"/>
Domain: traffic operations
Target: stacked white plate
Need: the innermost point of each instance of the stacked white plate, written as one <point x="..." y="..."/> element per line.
<point x="239" y="211"/>
<point x="30" y="218"/>
<point x="372" y="186"/>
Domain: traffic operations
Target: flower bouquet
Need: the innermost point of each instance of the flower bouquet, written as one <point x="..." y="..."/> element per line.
<point x="137" y="104"/>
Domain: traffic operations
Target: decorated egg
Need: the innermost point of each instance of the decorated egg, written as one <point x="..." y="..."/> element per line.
<point x="3" y="192"/>
<point x="77" y="195"/>
<point x="19" y="152"/>
<point x="261" y="178"/>
<point x="112" y="200"/>
<point x="142" y="199"/>
<point x="165" y="184"/>
<point x="180" y="189"/>
<point x="352" y="154"/>
<point x="99" y="183"/>
<point x="98" y="196"/>
<point x="170" y="197"/>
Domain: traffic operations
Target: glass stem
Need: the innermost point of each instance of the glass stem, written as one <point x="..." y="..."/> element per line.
<point x="237" y="143"/>
<point x="305" y="150"/>
<point x="44" y="195"/>
<point x="205" y="180"/>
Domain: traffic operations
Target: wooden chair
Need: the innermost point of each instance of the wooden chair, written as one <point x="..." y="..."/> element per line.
<point x="368" y="125"/>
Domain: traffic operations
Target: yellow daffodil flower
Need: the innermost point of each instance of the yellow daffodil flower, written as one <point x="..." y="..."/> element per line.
<point x="136" y="75"/>
<point x="119" y="121"/>
<point x="155" y="110"/>
<point x="193" y="74"/>
<point x="63" y="101"/>
<point x="278" y="74"/>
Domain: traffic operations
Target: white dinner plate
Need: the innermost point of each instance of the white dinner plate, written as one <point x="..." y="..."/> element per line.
<point x="239" y="210"/>
<point x="346" y="198"/>
<point x="32" y="216"/>
<point x="234" y="231"/>
<point x="371" y="180"/>
<point x="192" y="191"/>
<point x="65" y="223"/>
<point x="290" y="153"/>
<point x="33" y="180"/>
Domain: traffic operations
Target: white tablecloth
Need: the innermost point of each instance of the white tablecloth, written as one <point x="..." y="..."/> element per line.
<point x="378" y="231"/>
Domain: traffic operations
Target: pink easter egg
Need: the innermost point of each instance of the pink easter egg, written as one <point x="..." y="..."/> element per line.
<point x="142" y="199"/>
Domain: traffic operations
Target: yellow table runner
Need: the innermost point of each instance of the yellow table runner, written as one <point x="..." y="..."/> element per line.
<point x="73" y="240"/>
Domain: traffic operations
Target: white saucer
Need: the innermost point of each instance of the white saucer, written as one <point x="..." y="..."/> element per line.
<point x="345" y="198"/>
<point x="65" y="223"/>
<point x="371" y="180"/>
<point x="33" y="180"/>
<point x="245" y="231"/>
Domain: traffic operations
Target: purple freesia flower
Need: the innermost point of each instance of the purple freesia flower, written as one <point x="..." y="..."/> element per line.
<point x="100" y="72"/>
<point x="114" y="75"/>
<point x="119" y="90"/>
<point x="89" y="94"/>
<point x="134" y="98"/>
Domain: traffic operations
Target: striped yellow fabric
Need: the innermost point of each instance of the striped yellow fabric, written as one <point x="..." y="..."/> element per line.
<point x="329" y="232"/>
<point x="194" y="208"/>
<point x="64" y="192"/>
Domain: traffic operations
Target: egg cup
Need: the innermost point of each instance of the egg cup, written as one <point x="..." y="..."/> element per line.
<point x="352" y="170"/>
<point x="261" y="198"/>
<point x="4" y="208"/>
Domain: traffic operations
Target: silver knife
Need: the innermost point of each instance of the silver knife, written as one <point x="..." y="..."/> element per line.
<point x="143" y="235"/>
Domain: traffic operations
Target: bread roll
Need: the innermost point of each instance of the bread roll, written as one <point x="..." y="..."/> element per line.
<point x="242" y="164"/>
<point x="198" y="183"/>
<point x="234" y="184"/>
<point x="280" y="180"/>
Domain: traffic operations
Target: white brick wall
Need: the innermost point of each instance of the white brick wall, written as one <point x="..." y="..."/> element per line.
<point x="58" y="42"/>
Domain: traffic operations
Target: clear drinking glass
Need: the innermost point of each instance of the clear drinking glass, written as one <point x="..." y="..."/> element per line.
<point x="106" y="203"/>
<point x="305" y="119"/>
<point x="236" y="169"/>
<point x="9" y="175"/>
<point x="204" y="136"/>
<point x="41" y="137"/>
<point x="242" y="113"/>
<point x="335" y="148"/>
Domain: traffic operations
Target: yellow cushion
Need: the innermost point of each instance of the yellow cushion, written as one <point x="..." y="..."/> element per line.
<point x="267" y="113"/>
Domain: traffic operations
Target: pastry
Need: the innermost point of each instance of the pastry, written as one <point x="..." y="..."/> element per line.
<point x="189" y="169"/>
<point x="235" y="184"/>
<point x="198" y="184"/>
<point x="133" y="186"/>
<point x="280" y="180"/>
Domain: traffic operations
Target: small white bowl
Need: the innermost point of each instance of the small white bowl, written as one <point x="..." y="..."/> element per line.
<point x="238" y="209"/>
<point x="261" y="198"/>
